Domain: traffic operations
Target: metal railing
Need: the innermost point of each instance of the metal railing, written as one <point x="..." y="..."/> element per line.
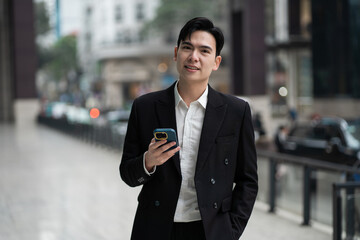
<point x="309" y="165"/>
<point x="104" y="135"/>
<point x="350" y="209"/>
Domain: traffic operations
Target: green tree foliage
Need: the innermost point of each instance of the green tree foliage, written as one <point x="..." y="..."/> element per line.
<point x="42" y="27"/>
<point x="62" y="58"/>
<point x="59" y="59"/>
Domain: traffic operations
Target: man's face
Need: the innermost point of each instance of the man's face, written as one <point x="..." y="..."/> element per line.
<point x="196" y="58"/>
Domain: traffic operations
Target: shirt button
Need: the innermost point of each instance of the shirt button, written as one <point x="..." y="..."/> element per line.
<point x="212" y="181"/>
<point x="215" y="205"/>
<point x="157" y="203"/>
<point x="226" y="161"/>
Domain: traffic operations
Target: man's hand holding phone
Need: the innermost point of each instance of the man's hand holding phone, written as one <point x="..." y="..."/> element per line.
<point x="157" y="153"/>
<point x="160" y="149"/>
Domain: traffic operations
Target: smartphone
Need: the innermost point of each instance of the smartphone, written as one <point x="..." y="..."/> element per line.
<point x="168" y="134"/>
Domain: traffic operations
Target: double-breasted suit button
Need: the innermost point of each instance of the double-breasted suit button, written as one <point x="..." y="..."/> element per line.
<point x="212" y="181"/>
<point x="157" y="203"/>
<point x="226" y="161"/>
<point x="215" y="205"/>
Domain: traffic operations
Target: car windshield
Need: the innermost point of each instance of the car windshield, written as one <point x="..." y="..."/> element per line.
<point x="354" y="129"/>
<point x="353" y="133"/>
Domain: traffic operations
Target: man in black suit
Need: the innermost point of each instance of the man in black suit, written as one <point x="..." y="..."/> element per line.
<point x="206" y="187"/>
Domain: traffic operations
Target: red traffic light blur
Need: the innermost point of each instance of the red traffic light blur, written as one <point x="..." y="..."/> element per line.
<point x="94" y="113"/>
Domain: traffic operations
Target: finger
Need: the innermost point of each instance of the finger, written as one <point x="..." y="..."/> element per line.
<point x="159" y="144"/>
<point x="156" y="144"/>
<point x="167" y="155"/>
<point x="157" y="153"/>
<point x="167" y="146"/>
<point x="173" y="151"/>
<point x="151" y="142"/>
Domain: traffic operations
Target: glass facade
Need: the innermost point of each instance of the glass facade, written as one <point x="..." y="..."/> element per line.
<point x="354" y="42"/>
<point x="336" y="48"/>
<point x="289" y="61"/>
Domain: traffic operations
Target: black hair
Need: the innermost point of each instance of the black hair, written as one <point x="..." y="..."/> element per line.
<point x="202" y="24"/>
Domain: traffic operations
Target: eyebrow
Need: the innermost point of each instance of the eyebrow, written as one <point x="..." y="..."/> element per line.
<point x="202" y="46"/>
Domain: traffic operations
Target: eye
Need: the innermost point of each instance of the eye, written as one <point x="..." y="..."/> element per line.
<point x="185" y="47"/>
<point x="205" y="51"/>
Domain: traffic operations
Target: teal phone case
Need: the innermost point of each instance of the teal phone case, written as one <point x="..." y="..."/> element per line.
<point x="168" y="134"/>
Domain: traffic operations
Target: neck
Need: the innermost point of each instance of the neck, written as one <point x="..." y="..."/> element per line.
<point x="191" y="92"/>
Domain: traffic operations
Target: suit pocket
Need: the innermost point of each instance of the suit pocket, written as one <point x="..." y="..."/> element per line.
<point x="226" y="204"/>
<point x="225" y="209"/>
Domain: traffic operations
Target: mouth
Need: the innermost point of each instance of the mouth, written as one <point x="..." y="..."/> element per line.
<point x="192" y="67"/>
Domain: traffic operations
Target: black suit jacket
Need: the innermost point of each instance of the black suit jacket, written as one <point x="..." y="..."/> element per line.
<point x="226" y="169"/>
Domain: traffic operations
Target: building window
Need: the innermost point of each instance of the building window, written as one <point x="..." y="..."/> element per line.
<point x="88" y="11"/>
<point x="124" y="36"/>
<point x="140" y="11"/>
<point x="119" y="37"/>
<point x="118" y="13"/>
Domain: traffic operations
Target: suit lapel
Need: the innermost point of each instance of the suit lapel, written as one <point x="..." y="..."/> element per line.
<point x="214" y="116"/>
<point x="165" y="110"/>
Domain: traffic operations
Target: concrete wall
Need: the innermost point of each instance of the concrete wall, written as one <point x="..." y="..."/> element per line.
<point x="17" y="55"/>
<point x="24" y="50"/>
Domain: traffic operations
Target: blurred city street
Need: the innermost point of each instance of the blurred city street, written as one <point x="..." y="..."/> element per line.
<point x="54" y="186"/>
<point x="71" y="70"/>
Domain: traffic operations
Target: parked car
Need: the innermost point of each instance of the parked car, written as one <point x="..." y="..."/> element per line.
<point x="330" y="139"/>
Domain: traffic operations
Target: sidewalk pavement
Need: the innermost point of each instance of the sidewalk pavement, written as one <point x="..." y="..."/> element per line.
<point x="56" y="187"/>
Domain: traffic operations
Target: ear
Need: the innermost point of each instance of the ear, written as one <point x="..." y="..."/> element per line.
<point x="217" y="63"/>
<point x="175" y="53"/>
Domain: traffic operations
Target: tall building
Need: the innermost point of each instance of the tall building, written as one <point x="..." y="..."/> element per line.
<point x="121" y="59"/>
<point x="289" y="61"/>
<point x="112" y="50"/>
<point x="312" y="59"/>
<point x="336" y="57"/>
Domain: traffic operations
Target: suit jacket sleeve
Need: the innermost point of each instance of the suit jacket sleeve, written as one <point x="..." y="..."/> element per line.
<point x="245" y="191"/>
<point x="131" y="167"/>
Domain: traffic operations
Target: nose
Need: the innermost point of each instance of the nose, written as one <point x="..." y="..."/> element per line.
<point x="194" y="56"/>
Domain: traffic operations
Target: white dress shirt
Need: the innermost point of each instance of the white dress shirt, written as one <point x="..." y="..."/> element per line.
<point x="189" y="123"/>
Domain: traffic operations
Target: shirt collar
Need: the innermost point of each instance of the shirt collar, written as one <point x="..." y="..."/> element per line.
<point x="178" y="98"/>
<point x="202" y="99"/>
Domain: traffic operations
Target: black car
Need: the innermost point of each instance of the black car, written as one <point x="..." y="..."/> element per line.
<point x="330" y="139"/>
